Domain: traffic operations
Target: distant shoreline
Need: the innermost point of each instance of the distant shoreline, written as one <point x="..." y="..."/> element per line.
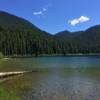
<point x="52" y="55"/>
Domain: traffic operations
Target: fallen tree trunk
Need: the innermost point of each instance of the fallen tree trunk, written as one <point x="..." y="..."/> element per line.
<point x="7" y="74"/>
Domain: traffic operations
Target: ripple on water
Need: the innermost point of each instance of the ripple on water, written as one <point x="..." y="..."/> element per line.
<point x="56" y="87"/>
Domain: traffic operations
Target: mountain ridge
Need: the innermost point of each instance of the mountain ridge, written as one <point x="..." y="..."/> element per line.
<point x="20" y="37"/>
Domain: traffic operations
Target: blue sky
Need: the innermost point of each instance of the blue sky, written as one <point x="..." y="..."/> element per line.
<point x="56" y="15"/>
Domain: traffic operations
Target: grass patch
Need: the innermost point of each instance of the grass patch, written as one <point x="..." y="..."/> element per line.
<point x="8" y="95"/>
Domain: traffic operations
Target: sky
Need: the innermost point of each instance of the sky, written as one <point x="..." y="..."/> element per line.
<point x="56" y="15"/>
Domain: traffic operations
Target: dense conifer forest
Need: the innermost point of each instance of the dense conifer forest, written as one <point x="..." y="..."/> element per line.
<point x="20" y="37"/>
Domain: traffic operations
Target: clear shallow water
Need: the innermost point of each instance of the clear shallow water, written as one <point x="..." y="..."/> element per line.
<point x="67" y="78"/>
<point x="49" y="63"/>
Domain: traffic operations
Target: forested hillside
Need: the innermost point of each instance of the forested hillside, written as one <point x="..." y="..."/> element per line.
<point x="20" y="37"/>
<point x="87" y="41"/>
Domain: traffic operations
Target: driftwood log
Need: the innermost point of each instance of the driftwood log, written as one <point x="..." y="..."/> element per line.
<point x="7" y="74"/>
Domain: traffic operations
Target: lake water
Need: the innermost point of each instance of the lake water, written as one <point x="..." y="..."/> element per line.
<point x="59" y="78"/>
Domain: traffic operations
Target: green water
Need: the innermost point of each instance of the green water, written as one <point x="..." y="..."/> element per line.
<point x="59" y="78"/>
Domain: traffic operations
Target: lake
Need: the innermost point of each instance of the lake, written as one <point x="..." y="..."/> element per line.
<point x="58" y="78"/>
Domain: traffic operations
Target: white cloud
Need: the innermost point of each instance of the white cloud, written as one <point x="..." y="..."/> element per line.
<point x="38" y="13"/>
<point x="41" y="12"/>
<point x="79" y="20"/>
<point x="44" y="9"/>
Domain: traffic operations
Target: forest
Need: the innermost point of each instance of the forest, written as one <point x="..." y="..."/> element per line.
<point x="19" y="37"/>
